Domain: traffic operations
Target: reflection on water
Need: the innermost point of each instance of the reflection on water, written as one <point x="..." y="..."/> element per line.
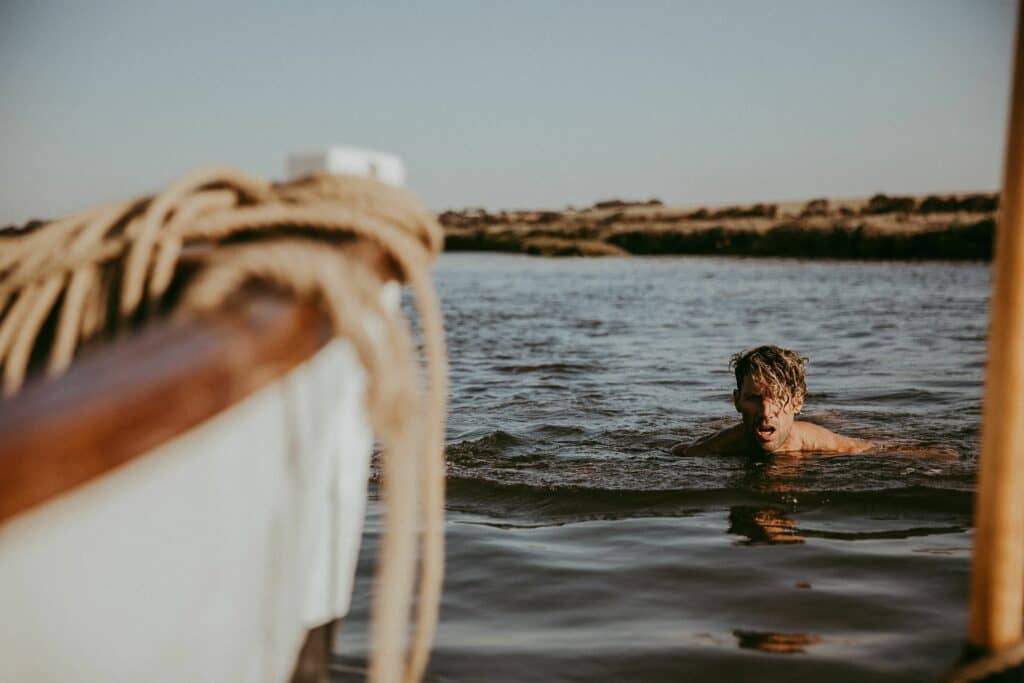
<point x="772" y="525"/>
<point x="779" y="643"/>
<point x="762" y="525"/>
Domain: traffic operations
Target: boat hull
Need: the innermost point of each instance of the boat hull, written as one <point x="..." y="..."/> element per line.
<point x="207" y="559"/>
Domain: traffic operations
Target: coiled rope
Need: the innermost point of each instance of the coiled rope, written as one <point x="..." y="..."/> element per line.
<point x="112" y="265"/>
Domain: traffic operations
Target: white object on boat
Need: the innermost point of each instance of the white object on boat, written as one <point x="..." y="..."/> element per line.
<point x="339" y="160"/>
<point x="209" y="558"/>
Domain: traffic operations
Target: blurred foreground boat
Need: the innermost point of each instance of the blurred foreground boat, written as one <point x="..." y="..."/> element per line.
<point x="185" y="500"/>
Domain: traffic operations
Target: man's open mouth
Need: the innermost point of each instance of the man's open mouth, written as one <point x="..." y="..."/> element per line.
<point x="765" y="432"/>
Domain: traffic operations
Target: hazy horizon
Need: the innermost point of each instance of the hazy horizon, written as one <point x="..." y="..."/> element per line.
<point x="506" y="107"/>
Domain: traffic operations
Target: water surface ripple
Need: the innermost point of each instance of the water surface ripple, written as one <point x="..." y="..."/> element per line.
<point x="579" y="549"/>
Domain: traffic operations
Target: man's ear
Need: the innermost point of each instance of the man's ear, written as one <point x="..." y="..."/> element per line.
<point x="798" y="404"/>
<point x="736" y="399"/>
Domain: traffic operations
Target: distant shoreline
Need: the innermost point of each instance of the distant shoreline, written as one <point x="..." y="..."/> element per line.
<point x="946" y="227"/>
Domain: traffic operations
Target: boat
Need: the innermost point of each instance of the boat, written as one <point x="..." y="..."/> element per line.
<point x="194" y="383"/>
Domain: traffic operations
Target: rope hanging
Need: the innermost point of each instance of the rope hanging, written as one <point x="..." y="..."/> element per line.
<point x="212" y="231"/>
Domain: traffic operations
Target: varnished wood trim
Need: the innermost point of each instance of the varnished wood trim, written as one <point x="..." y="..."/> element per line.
<point x="997" y="587"/>
<point x="125" y="398"/>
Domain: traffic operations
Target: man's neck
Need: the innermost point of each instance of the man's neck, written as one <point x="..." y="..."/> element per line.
<point x="793" y="443"/>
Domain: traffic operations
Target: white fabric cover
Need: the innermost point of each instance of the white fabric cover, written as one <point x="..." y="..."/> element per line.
<point x="209" y="558"/>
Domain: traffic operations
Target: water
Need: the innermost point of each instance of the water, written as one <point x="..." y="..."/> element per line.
<point x="579" y="549"/>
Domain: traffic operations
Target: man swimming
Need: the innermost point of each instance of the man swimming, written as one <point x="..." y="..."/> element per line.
<point x="770" y="391"/>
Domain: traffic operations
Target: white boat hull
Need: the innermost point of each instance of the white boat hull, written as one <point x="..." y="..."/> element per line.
<point x="209" y="558"/>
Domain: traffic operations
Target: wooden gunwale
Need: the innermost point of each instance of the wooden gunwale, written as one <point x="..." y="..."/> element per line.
<point x="127" y="397"/>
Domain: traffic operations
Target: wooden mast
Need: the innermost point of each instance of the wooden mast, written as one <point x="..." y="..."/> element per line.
<point x="997" y="576"/>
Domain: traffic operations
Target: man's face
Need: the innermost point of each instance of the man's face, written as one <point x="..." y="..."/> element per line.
<point x="766" y="420"/>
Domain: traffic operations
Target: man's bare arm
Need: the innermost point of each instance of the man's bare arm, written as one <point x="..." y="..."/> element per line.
<point x="688" y="449"/>
<point x="719" y="443"/>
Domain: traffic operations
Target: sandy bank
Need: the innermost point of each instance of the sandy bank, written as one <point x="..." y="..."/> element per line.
<point x="880" y="227"/>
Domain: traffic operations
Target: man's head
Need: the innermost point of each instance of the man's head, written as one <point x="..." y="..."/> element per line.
<point x="770" y="391"/>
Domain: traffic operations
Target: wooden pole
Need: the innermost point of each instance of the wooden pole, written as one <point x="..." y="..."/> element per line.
<point x="997" y="576"/>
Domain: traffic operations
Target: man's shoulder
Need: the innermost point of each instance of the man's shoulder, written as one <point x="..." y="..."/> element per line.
<point x="722" y="442"/>
<point x="815" y="438"/>
<point x="810" y="432"/>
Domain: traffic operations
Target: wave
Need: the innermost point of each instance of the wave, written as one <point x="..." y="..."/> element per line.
<point x="532" y="501"/>
<point x="553" y="368"/>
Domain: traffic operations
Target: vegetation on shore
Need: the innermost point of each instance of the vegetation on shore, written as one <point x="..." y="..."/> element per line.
<point x="881" y="227"/>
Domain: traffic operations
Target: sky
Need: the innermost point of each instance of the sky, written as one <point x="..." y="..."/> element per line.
<point x="508" y="105"/>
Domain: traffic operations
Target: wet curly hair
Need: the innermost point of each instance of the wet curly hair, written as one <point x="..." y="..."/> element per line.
<point x="779" y="372"/>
